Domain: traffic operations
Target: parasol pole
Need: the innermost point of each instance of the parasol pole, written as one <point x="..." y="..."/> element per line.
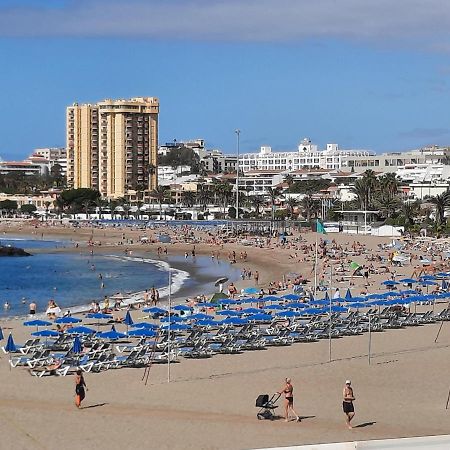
<point x="168" y="336"/>
<point x="329" y="326"/>
<point x="315" y="267"/>
<point x="370" y="337"/>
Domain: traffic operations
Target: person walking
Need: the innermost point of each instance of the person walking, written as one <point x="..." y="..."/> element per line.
<point x="80" y="385"/>
<point x="288" y="391"/>
<point x="347" y="403"/>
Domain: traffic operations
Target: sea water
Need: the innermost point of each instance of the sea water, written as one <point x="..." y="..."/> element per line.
<point x="75" y="279"/>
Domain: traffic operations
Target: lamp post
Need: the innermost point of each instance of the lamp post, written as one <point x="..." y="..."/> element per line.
<point x="238" y="132"/>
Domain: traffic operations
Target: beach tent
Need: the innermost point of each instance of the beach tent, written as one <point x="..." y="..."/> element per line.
<point x="217" y="296"/>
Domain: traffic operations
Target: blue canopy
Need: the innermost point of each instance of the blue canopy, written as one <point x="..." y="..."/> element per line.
<point x="155" y="310"/>
<point x="80" y="330"/>
<point x="251" y="290"/>
<point x="77" y="347"/>
<point x="287" y="313"/>
<point x="313" y="311"/>
<point x="99" y="316"/>
<point x="322" y="302"/>
<point x="207" y="323"/>
<point x="142" y="332"/>
<point x="408" y="280"/>
<point x="175" y="326"/>
<point x="201" y="316"/>
<point x="128" y="319"/>
<point x="37" y="323"/>
<point x="250" y="300"/>
<point x="150" y="326"/>
<point x="10" y="346"/>
<point x="292" y="297"/>
<point x="234" y="321"/>
<point x="337" y="308"/>
<point x="428" y="283"/>
<point x="271" y="298"/>
<point x="229" y="312"/>
<point x="226" y="301"/>
<point x="252" y="311"/>
<point x="181" y="308"/>
<point x="275" y="307"/>
<point x="297" y="305"/>
<point x="357" y="305"/>
<point x="260" y="317"/>
<point x="45" y="333"/>
<point x="67" y="319"/>
<point x="171" y="319"/>
<point x="389" y="282"/>
<point x="428" y="277"/>
<point x="112" y="334"/>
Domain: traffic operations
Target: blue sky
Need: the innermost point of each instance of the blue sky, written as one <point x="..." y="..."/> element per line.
<point x="362" y="74"/>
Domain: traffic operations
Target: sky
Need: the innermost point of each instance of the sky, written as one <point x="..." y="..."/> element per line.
<point x="369" y="74"/>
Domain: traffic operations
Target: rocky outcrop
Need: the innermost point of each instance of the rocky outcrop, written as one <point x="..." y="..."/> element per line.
<point x="13" y="251"/>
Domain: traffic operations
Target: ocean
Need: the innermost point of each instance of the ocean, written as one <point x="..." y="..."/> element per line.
<point x="76" y="279"/>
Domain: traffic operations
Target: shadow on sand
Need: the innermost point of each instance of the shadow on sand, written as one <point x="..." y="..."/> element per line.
<point x="365" y="424"/>
<point x="94" y="406"/>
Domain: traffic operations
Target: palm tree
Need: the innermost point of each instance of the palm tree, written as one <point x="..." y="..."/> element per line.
<point x="86" y="205"/>
<point x="361" y="190"/>
<point x="224" y="194"/>
<point x="203" y="196"/>
<point x="409" y="212"/>
<point x="389" y="184"/>
<point x="47" y="207"/>
<point x="159" y="194"/>
<point x="289" y="179"/>
<point x="309" y="206"/>
<point x="292" y="203"/>
<point x="59" y="204"/>
<point x="188" y="198"/>
<point x="387" y="205"/>
<point x="256" y="201"/>
<point x="273" y="194"/>
<point x="441" y="203"/>
<point x="99" y="203"/>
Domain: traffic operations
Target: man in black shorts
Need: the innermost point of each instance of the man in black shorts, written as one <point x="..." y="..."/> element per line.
<point x="347" y="404"/>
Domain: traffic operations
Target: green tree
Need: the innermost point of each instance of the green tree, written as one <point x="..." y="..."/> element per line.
<point x="441" y="204"/>
<point x="160" y="194"/>
<point x="291" y="203"/>
<point x="75" y="198"/>
<point x="8" y="205"/>
<point x="28" y="209"/>
<point x="256" y="201"/>
<point x="188" y="198"/>
<point x="409" y="212"/>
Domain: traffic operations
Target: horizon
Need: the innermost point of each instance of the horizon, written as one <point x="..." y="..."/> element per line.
<point x="370" y="76"/>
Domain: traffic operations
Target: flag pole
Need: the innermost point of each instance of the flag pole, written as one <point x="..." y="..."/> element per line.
<point x="168" y="328"/>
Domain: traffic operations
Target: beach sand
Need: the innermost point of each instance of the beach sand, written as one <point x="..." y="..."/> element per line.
<point x="210" y="403"/>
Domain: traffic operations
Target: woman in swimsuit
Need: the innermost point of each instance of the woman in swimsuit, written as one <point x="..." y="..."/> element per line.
<point x="80" y="384"/>
<point x="288" y="392"/>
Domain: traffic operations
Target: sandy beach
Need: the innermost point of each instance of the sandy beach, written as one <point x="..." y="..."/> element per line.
<point x="210" y="403"/>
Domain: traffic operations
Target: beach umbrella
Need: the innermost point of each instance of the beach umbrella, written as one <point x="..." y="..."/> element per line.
<point x="37" y="323"/>
<point x="99" y="316"/>
<point x="275" y="307"/>
<point x="297" y="305"/>
<point x="45" y="333"/>
<point x="154" y="310"/>
<point x="292" y="297"/>
<point x="428" y="277"/>
<point x="337" y="308"/>
<point x="1" y="334"/>
<point x="142" y="332"/>
<point x="201" y="316"/>
<point x="220" y="281"/>
<point x="207" y="323"/>
<point x="260" y="317"/>
<point x="251" y="290"/>
<point x="10" y="347"/>
<point x="112" y="335"/>
<point x="428" y="283"/>
<point x="227" y="301"/>
<point x="234" y="321"/>
<point x="77" y="346"/>
<point x="338" y="300"/>
<point x="408" y="280"/>
<point x="271" y="298"/>
<point x="181" y="308"/>
<point x="249" y="300"/>
<point x="348" y="295"/>
<point x="229" y="312"/>
<point x="389" y="283"/>
<point x="327" y="297"/>
<point x="67" y="319"/>
<point x="128" y="320"/>
<point x="408" y="292"/>
<point x="444" y="284"/>
<point x="357" y="305"/>
<point x="171" y="319"/>
<point x="150" y="326"/>
<point x="175" y="327"/>
<point x="322" y="302"/>
<point x="287" y="313"/>
<point x="313" y="311"/>
<point x="206" y="305"/>
<point x="252" y="311"/>
<point x="80" y="330"/>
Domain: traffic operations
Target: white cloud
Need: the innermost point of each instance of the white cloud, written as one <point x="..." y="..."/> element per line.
<point x="425" y="24"/>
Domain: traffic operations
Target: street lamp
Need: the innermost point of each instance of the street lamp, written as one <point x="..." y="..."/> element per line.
<point x="238" y="132"/>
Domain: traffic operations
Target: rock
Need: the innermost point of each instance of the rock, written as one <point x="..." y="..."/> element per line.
<point x="12" y="251"/>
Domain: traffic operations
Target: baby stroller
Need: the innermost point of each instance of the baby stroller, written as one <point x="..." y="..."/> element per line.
<point x="267" y="406"/>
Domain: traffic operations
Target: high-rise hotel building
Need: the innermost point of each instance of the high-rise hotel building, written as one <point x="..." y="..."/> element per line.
<point x="112" y="146"/>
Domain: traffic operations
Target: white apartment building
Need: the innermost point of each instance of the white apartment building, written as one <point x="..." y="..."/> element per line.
<point x="308" y="156"/>
<point x="423" y="173"/>
<point x="54" y="155"/>
<point x="169" y="173"/>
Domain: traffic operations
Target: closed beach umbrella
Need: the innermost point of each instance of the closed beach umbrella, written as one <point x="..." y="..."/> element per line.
<point x="1" y="334"/>
<point x="67" y="319"/>
<point x="348" y="295"/>
<point x="142" y="332"/>
<point x="80" y="330"/>
<point x="10" y="347"/>
<point x="128" y="320"/>
<point x="77" y="347"/>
